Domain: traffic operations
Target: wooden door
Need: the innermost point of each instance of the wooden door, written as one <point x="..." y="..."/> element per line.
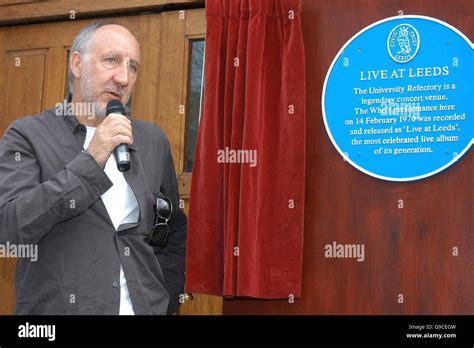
<point x="33" y="65"/>
<point x="182" y="36"/>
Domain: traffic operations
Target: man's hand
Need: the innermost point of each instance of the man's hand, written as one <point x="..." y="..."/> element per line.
<point x="116" y="129"/>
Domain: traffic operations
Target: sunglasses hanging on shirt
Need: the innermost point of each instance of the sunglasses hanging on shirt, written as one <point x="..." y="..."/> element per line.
<point x="163" y="210"/>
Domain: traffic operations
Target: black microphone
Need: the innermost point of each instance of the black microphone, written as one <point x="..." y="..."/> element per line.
<point x="121" y="152"/>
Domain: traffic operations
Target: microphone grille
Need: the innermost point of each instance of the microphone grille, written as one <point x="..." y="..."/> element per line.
<point x="115" y="107"/>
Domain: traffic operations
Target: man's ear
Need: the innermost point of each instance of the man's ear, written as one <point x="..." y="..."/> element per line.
<point x="75" y="64"/>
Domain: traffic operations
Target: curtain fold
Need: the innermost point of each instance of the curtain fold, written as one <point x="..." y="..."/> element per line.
<point x="245" y="231"/>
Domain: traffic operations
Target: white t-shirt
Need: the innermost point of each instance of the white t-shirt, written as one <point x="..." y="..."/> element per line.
<point x="122" y="207"/>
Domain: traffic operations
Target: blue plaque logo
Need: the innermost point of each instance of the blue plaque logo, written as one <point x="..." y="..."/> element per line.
<point x="403" y="43"/>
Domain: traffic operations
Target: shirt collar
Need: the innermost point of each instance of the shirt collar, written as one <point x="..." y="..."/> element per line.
<point x="72" y="123"/>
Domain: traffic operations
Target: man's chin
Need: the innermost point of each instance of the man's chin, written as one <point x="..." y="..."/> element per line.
<point x="101" y="105"/>
<point x="123" y="100"/>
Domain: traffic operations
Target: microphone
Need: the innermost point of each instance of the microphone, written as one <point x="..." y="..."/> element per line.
<point x="121" y="152"/>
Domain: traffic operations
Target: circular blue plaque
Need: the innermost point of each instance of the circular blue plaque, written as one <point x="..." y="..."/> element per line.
<point x="398" y="99"/>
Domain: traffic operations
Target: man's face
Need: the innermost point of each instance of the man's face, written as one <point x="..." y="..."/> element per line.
<point x="110" y="68"/>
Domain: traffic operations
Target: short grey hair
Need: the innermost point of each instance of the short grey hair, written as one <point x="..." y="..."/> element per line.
<point x="82" y="45"/>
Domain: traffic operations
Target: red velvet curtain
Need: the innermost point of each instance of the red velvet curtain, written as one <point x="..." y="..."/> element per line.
<point x="245" y="231"/>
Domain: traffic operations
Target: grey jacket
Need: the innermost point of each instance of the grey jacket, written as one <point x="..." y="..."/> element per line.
<point x="50" y="196"/>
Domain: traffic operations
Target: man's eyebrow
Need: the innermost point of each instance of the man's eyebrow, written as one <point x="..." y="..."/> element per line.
<point x="112" y="53"/>
<point x="135" y="62"/>
<point x="118" y="53"/>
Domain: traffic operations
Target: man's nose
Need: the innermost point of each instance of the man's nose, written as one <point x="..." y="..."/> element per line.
<point x="121" y="74"/>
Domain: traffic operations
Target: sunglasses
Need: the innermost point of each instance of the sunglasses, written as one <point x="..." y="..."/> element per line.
<point x="160" y="230"/>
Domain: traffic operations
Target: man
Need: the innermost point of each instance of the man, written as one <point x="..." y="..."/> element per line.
<point x="60" y="189"/>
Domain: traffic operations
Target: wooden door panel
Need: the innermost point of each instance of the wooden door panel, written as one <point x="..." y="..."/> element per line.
<point x="59" y="10"/>
<point x="7" y="289"/>
<point x="170" y="92"/>
<point x="144" y="100"/>
<point x="60" y="34"/>
<point x="25" y="80"/>
<point x="56" y="76"/>
<point x="3" y="69"/>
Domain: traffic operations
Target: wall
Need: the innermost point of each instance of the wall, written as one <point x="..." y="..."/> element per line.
<point x="408" y="251"/>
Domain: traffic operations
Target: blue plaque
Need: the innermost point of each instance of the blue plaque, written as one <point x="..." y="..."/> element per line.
<point x="398" y="99"/>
